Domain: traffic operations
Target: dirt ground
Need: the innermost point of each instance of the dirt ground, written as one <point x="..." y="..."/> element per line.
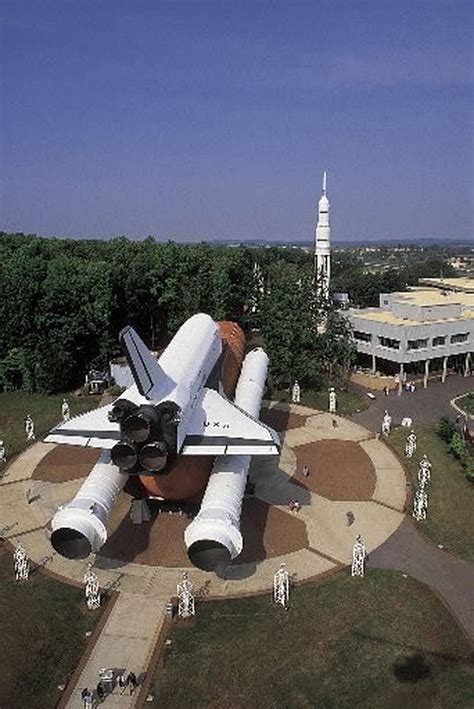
<point x="281" y="420"/>
<point x="65" y="463"/>
<point x="267" y="532"/>
<point x="339" y="470"/>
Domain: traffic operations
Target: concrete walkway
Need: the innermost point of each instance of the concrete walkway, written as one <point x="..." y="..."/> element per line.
<point x="127" y="642"/>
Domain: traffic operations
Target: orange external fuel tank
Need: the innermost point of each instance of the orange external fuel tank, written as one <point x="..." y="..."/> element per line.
<point x="188" y="478"/>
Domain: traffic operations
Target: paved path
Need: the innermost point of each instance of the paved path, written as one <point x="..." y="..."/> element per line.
<point x="129" y="637"/>
<point x="408" y="551"/>
<point x="423" y="406"/>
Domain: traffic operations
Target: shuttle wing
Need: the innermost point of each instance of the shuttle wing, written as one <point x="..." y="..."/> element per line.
<point x="91" y="429"/>
<point x="219" y="427"/>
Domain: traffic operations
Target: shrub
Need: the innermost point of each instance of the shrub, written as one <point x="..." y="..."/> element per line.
<point x="446" y="429"/>
<point x="457" y="445"/>
<point x="115" y="390"/>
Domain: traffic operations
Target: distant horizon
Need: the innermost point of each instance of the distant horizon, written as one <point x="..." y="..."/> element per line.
<point x="215" y="118"/>
<point x="452" y="242"/>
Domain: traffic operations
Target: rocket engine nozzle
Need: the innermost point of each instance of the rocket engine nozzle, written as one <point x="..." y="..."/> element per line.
<point x="153" y="456"/>
<point x="120" y="410"/>
<point x="124" y="456"/>
<point x="142" y="423"/>
<point x="149" y="437"/>
<point x="71" y="543"/>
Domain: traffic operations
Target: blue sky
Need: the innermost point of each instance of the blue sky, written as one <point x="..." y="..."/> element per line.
<point x="196" y="120"/>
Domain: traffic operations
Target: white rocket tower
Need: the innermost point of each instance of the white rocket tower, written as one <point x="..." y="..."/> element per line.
<point x="322" y="250"/>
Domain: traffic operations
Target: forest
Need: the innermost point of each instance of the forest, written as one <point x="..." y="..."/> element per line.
<point x="65" y="301"/>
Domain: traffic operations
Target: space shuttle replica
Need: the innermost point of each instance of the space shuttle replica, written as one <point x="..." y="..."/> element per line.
<point x="174" y="434"/>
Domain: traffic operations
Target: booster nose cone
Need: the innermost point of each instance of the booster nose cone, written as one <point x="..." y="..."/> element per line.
<point x="70" y="543"/>
<point x="208" y="555"/>
<point x="124" y="455"/>
<point x="137" y="426"/>
<point x="153" y="456"/>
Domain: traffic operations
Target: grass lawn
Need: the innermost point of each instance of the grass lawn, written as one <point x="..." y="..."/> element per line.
<point x="466" y="403"/>
<point x="348" y="401"/>
<point x="45" y="410"/>
<point x="383" y="642"/>
<point x="42" y="636"/>
<point x="450" y="495"/>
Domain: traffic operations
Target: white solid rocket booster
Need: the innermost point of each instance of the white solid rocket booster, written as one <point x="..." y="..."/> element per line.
<point x="213" y="538"/>
<point x="80" y="527"/>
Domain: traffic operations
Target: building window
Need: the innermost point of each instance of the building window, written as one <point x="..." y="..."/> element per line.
<point x="461" y="337"/>
<point x="417" y="344"/>
<point x="388" y="342"/>
<point x="362" y="336"/>
<point x="438" y="341"/>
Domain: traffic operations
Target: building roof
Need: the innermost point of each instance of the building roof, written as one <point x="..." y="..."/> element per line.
<point x="385" y="316"/>
<point x="433" y="296"/>
<point x="458" y="284"/>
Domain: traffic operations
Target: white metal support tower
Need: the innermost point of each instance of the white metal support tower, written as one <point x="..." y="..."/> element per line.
<point x="420" y="504"/>
<point x="358" y="557"/>
<point x="186" y="604"/>
<point x="92" y="589"/>
<point x="21" y="564"/>
<point x="281" y="586"/>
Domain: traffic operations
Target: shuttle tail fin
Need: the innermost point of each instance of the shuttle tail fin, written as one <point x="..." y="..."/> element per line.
<point x="145" y="369"/>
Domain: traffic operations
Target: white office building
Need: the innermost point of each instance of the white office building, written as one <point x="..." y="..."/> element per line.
<point x="426" y="330"/>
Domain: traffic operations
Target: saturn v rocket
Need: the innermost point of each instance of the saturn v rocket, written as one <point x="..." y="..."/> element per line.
<point x="185" y="430"/>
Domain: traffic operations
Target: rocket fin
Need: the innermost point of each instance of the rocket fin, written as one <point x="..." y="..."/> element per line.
<point x="92" y="429"/>
<point x="146" y="371"/>
<point x="219" y="427"/>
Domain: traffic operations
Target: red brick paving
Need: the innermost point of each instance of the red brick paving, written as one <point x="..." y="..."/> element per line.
<point x="340" y="470"/>
<point x="281" y="420"/>
<point x="267" y="532"/>
<point x="65" y="463"/>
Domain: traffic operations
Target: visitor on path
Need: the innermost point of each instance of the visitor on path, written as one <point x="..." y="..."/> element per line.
<point x="306" y="471"/>
<point x="3" y="457"/>
<point x="350" y="518"/>
<point x="334" y="423"/>
<point x="122" y="681"/>
<point x="86" y="697"/>
<point x="100" y="692"/>
<point x="132" y="681"/>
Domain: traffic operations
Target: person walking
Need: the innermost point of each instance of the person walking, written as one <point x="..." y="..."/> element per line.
<point x="306" y="471"/>
<point x="87" y="698"/>
<point x="100" y="692"/>
<point x="132" y="681"/>
<point x="85" y="694"/>
<point x="122" y="681"/>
